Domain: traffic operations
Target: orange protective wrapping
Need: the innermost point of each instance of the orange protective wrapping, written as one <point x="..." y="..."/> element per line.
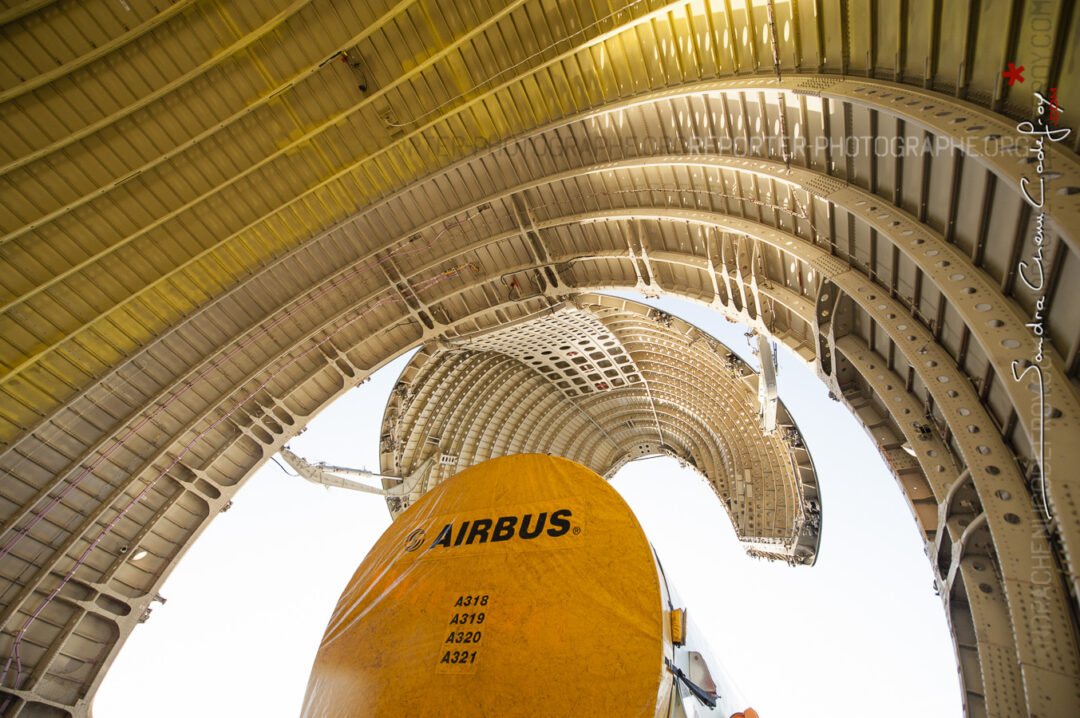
<point x="553" y="609"/>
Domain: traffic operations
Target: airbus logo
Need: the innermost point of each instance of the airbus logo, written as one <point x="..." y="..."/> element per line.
<point x="504" y="528"/>
<point x="414" y="540"/>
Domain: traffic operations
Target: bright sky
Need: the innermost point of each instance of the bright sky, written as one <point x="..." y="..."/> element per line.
<point x="861" y="633"/>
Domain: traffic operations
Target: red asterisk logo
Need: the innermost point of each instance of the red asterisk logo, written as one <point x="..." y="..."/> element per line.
<point x="1014" y="74"/>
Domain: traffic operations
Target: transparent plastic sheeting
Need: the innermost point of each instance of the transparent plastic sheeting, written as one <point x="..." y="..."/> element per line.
<point x="523" y="586"/>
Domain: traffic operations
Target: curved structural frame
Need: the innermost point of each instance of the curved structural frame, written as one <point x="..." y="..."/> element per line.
<point x="604" y="381"/>
<point x="215" y="222"/>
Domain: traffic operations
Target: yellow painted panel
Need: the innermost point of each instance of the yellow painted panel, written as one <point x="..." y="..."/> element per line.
<point x="522" y="585"/>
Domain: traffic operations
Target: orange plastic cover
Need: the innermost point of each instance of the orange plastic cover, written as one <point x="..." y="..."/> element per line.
<point x="521" y="586"/>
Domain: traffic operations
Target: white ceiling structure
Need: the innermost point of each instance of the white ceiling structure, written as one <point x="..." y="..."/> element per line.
<point x="605" y="381"/>
<point x="216" y="218"/>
